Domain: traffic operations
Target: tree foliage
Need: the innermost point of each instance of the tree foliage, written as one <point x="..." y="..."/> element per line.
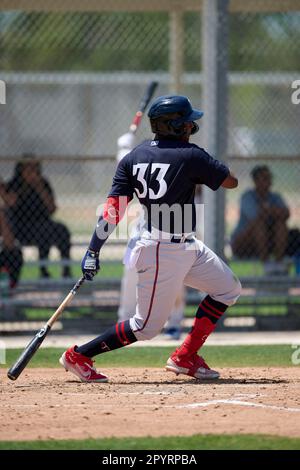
<point x="39" y="41"/>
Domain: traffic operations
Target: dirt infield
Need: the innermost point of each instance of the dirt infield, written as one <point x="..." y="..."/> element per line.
<point x="50" y="404"/>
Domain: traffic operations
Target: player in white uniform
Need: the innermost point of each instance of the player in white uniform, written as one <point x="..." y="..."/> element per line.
<point x="163" y="174"/>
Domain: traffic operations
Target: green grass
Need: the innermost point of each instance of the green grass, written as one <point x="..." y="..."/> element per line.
<point x="242" y="268"/>
<point x="45" y="313"/>
<point x="196" y="442"/>
<point x="242" y="309"/>
<point x="108" y="270"/>
<point x="115" y="269"/>
<point x="245" y="268"/>
<point x="189" y="312"/>
<point x="218" y="356"/>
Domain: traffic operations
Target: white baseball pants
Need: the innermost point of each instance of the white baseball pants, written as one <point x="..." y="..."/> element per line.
<point x="163" y="267"/>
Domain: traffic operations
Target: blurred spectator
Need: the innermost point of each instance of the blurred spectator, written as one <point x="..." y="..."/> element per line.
<point x="30" y="204"/>
<point x="11" y="259"/>
<point x="262" y="228"/>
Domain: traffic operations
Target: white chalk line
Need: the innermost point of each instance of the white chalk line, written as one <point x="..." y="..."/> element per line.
<point x="223" y="401"/>
<point x="238" y="402"/>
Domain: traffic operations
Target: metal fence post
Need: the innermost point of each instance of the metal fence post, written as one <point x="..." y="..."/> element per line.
<point x="176" y="51"/>
<point x="215" y="67"/>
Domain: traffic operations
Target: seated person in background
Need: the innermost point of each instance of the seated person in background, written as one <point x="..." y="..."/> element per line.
<point x="30" y="204"/>
<point x="11" y="259"/>
<point x="262" y="228"/>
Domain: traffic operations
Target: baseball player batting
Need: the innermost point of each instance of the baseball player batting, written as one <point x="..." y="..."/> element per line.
<point x="126" y="310"/>
<point x="163" y="174"/>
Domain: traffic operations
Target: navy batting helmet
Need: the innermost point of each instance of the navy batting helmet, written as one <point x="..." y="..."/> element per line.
<point x="169" y="113"/>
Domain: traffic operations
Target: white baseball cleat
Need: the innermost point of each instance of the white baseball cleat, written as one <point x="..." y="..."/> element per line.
<point x="81" y="366"/>
<point x="195" y="366"/>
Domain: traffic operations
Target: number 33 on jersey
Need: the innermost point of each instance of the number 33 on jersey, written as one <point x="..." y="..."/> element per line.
<point x="158" y="175"/>
<point x="140" y="170"/>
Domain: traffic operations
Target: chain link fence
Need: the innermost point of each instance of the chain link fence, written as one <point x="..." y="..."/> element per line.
<point x="73" y="83"/>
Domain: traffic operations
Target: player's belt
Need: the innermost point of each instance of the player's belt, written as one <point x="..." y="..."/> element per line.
<point x="181" y="240"/>
<point x="155" y="234"/>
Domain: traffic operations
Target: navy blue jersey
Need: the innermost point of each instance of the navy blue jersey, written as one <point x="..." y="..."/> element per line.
<point x="163" y="175"/>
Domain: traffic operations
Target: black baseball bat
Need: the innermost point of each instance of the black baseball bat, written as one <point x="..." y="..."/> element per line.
<point x="142" y="106"/>
<point x="35" y="343"/>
